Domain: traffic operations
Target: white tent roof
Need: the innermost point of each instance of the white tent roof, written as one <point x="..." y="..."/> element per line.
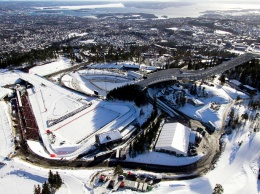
<point x="174" y="137"/>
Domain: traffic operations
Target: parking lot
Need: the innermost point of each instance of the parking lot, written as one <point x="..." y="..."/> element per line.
<point x="107" y="181"/>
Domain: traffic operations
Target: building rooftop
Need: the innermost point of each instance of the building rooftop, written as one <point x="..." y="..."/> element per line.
<point x="109" y="136"/>
<point x="174" y="137"/>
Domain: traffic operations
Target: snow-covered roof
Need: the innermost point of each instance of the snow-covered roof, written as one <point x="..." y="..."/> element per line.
<point x="249" y="87"/>
<point x="235" y="82"/>
<point x="174" y="137"/>
<point x="109" y="136"/>
<point x="197" y="102"/>
<point x="131" y="66"/>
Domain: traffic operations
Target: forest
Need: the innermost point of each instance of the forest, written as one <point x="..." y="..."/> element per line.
<point x="129" y="93"/>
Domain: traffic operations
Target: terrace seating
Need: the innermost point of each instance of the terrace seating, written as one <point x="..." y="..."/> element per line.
<point x="31" y="129"/>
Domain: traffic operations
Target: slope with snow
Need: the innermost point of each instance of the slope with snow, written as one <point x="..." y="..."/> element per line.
<point x="60" y="64"/>
<point x="218" y="94"/>
<point x="163" y="159"/>
<point x="18" y="177"/>
<point x="8" y="78"/>
<point x="6" y="137"/>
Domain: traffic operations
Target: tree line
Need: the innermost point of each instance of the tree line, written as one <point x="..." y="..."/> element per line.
<point x="51" y="186"/>
<point x="143" y="142"/>
<point x="129" y="93"/>
<point x="30" y="58"/>
<point x="248" y="73"/>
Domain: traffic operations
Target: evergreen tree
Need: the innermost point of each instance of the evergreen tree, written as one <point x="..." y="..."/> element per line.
<point x="189" y="65"/>
<point x="58" y="181"/>
<point x="218" y="189"/>
<point x="244" y="116"/>
<point x="183" y="101"/>
<point x="130" y="150"/>
<point x="191" y="90"/>
<point x="118" y="170"/>
<point x="203" y="91"/>
<point x="46" y="188"/>
<point x="195" y="89"/>
<point x="222" y="79"/>
<point x="51" y="179"/>
<point x="37" y="189"/>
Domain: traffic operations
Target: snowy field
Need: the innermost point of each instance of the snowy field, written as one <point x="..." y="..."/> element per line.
<point x="163" y="158"/>
<point x="4" y="92"/>
<point x="8" y="77"/>
<point x="6" y="137"/>
<point x="234" y="93"/>
<point x="19" y="177"/>
<point x="43" y="70"/>
<point x="86" y="124"/>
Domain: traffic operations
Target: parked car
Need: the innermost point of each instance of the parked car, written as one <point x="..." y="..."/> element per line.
<point x="121" y="177"/>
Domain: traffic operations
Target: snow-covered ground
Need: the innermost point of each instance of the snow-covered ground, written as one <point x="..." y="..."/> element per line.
<point x="164" y="159"/>
<point x="8" y="77"/>
<point x="218" y="94"/>
<point x="234" y="93"/>
<point x="60" y="64"/>
<point x="6" y="137"/>
<point x="18" y="177"/>
<point x="5" y="92"/>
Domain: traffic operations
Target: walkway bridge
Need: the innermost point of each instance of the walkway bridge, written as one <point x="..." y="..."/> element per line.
<point x="179" y="74"/>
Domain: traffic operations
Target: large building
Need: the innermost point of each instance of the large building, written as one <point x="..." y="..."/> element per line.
<point x="174" y="138"/>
